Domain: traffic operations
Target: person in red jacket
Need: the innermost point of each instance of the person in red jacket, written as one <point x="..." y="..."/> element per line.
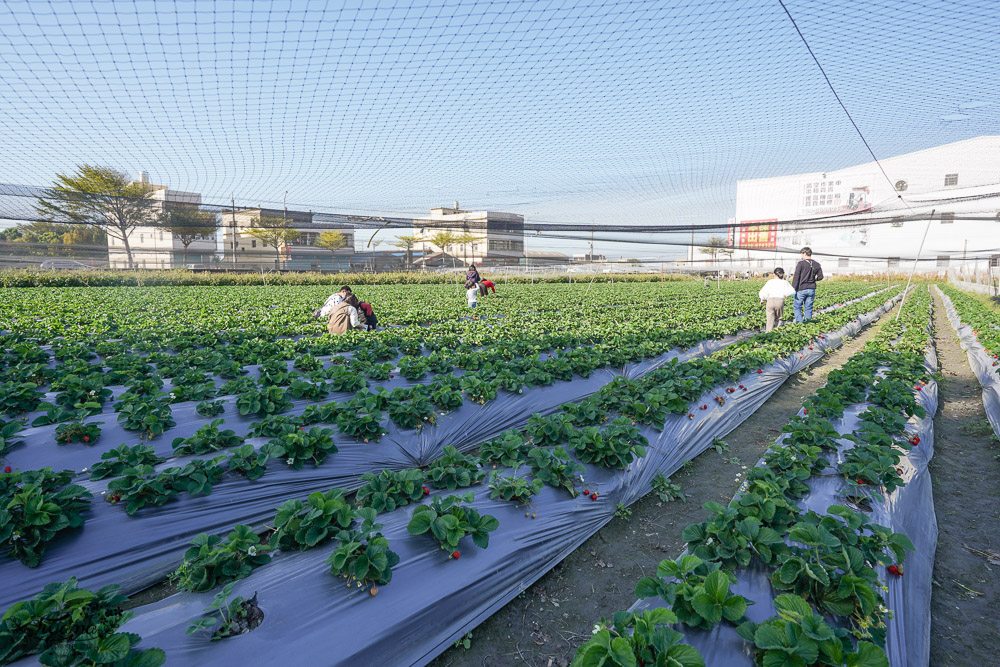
<point x="487" y="284"/>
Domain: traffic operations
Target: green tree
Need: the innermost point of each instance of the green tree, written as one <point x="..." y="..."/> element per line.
<point x="189" y="224"/>
<point x="274" y="232"/>
<point x="407" y="243"/>
<point x="45" y="239"/>
<point x="464" y="240"/>
<point x="332" y="240"/>
<point x="443" y="240"/>
<point x="102" y="198"/>
<point x="716" y="246"/>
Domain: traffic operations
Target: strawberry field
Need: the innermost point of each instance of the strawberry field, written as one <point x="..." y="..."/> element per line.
<point x="370" y="498"/>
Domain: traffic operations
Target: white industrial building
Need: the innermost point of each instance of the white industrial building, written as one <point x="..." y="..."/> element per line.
<point x="154" y="247"/>
<point x="854" y="219"/>
<point x="494" y="238"/>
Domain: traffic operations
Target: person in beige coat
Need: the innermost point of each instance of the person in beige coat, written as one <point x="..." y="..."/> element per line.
<point x="346" y="317"/>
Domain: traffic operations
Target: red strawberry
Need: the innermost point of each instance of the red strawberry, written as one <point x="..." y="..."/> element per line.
<point x="861" y="481"/>
<point x="759" y="370"/>
<point x="86" y="438"/>
<point x="456" y="555"/>
<point x="586" y="492"/>
<point x="593" y="496"/>
<point x="918" y="388"/>
<point x="896" y="570"/>
<point x="704" y="407"/>
<point x="810" y="347"/>
<point x="427" y="491"/>
<point x="690" y="415"/>
<point x="805" y="412"/>
<point x="7" y="469"/>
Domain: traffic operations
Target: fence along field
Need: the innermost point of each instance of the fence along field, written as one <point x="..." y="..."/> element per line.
<point x="147" y="381"/>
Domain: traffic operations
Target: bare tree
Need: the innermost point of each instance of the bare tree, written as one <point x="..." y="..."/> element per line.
<point x="103" y="198"/>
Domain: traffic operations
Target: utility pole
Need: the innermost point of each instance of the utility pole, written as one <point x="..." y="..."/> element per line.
<point x="232" y="200"/>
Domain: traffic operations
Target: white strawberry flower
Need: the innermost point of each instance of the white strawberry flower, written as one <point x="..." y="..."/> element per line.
<point x="252" y="551"/>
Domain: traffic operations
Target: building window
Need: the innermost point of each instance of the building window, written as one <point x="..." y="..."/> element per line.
<point x="951" y="179"/>
<point x="947" y="218"/>
<point x="897" y="222"/>
<point x="894" y="262"/>
<point x="843" y="262"/>
<point x="253" y="244"/>
<point x="942" y="261"/>
<point x="995" y="260"/>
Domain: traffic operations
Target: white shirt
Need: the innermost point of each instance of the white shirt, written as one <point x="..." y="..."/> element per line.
<point x="330" y="304"/>
<point x="776" y="288"/>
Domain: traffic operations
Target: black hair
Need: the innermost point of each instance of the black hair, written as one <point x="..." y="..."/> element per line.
<point x="807" y="251"/>
<point x="780" y="272"/>
<point x="345" y="288"/>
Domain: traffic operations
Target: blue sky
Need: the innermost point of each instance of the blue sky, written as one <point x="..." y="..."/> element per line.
<point x="630" y="112"/>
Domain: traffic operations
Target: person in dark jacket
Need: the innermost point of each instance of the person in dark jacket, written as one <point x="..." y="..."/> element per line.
<point x="472" y="275"/>
<point x="808" y="272"/>
<point x="370" y="320"/>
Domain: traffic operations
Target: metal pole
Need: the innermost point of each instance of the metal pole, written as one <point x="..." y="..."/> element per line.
<point x="914" y="268"/>
<point x="232" y="200"/>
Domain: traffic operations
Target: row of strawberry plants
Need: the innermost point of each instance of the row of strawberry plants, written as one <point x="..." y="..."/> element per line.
<point x="138" y="485"/>
<point x="669" y="389"/>
<point x="982" y="316"/>
<point x="550" y="461"/>
<point x="825" y="562"/>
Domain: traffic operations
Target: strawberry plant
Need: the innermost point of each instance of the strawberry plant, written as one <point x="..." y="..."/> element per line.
<point x="300" y="447"/>
<point x="320" y="414"/>
<point x="304" y="525"/>
<point x="148" y="416"/>
<point x="75" y="389"/>
<point x="273" y="426"/>
<point x="35" y="506"/>
<point x="192" y="392"/>
<point x="587" y="412"/>
<point x="78" y="432"/>
<point x="390" y="489"/>
<point x="237" y="616"/>
<point x="454" y="470"/>
<point x="697" y="592"/>
<point x="449" y="520"/>
<point x="478" y="389"/>
<point x="313" y="391"/>
<point x="266" y="401"/>
<point x="797" y="636"/>
<point x="68" y="625"/>
<point x="413" y="413"/>
<point x="207" y="439"/>
<point x="616" y="446"/>
<point x="343" y="379"/>
<point x="666" y="490"/>
<point x="555" y="468"/>
<point x="363" y="556"/>
<point x="248" y="462"/>
<point x="119" y="459"/>
<point x="19" y="397"/>
<point x="307" y="362"/>
<point x="210" y="562"/>
<point x="9" y="434"/>
<point x="238" y="386"/>
<point x="197" y="477"/>
<point x="363" y="425"/>
<point x="513" y="488"/>
<point x="553" y="430"/>
<point x="210" y="408"/>
<point x="413" y="368"/>
<point x="733" y="536"/>
<point x="446" y="398"/>
<point x="637" y="639"/>
<point x="508" y="449"/>
<point x="55" y="414"/>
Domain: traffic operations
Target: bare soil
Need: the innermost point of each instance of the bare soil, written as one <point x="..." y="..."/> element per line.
<point x="965" y="471"/>
<point x="544" y="626"/>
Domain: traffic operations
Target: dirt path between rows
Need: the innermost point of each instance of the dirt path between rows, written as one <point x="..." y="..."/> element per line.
<point x="965" y="471"/>
<point x="543" y="626"/>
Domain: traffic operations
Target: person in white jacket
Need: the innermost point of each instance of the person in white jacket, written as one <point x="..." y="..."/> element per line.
<point x="773" y="294"/>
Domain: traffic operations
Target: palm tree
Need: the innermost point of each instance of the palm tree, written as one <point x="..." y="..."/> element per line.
<point x="407" y="243"/>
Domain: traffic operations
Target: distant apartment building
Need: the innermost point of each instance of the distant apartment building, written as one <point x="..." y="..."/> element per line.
<point x="154" y="247"/>
<point x="493" y="238"/>
<point x="242" y="251"/>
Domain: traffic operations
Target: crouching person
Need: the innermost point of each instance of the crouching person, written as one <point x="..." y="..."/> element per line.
<point x="369" y="315"/>
<point x="346" y="317"/>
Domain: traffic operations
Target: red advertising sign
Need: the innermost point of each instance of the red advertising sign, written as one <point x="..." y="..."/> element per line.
<point x="755" y="235"/>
